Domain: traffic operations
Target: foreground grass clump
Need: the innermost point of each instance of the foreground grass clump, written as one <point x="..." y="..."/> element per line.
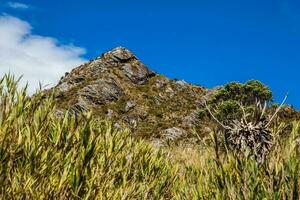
<point x="43" y="156"/>
<point x="222" y="174"/>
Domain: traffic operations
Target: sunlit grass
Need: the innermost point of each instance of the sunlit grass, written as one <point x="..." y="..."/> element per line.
<point x="43" y="156"/>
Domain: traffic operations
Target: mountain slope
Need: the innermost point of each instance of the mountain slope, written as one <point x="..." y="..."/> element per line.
<point x="118" y="86"/>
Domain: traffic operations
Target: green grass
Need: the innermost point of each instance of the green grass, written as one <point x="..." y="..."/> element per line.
<point x="46" y="157"/>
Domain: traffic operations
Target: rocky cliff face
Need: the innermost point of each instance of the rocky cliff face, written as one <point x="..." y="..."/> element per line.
<point x="118" y="86"/>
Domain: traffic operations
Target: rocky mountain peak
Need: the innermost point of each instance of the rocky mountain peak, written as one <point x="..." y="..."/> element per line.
<point x="117" y="85"/>
<point x="119" y="53"/>
<point x="119" y="59"/>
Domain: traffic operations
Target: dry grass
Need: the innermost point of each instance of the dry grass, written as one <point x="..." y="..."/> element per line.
<point x="45" y="157"/>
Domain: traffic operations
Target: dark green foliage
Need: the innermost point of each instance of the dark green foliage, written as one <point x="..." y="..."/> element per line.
<point x="228" y="100"/>
<point x="228" y="110"/>
<point x="255" y="90"/>
<point x="246" y="94"/>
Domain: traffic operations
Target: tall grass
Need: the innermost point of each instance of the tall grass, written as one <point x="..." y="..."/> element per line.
<point x="43" y="156"/>
<point x="230" y="176"/>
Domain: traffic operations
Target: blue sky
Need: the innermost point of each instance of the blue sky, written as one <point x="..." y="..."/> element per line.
<point x="203" y="42"/>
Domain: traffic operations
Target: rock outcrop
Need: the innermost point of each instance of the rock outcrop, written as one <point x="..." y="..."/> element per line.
<point x="118" y="86"/>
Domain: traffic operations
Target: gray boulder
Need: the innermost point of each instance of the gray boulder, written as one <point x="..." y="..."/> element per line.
<point x="121" y="54"/>
<point x="137" y="72"/>
<point x="181" y="85"/>
<point x="191" y="120"/>
<point x="101" y="91"/>
<point x="173" y="133"/>
<point x="129" y="105"/>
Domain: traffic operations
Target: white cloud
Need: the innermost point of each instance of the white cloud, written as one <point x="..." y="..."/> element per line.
<point x="17" y="5"/>
<point x="37" y="58"/>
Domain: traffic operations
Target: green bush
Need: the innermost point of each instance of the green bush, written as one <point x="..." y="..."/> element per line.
<point x="254" y="90"/>
<point x="246" y="94"/>
<point x="228" y="100"/>
<point x="228" y="110"/>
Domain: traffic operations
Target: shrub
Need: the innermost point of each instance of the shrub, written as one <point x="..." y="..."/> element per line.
<point x="246" y="94"/>
<point x="226" y="102"/>
<point x="256" y="91"/>
<point x="228" y="110"/>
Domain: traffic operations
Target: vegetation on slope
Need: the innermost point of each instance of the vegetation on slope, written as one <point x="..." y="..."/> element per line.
<point x="228" y="100"/>
<point x="117" y="85"/>
<point x="43" y="156"/>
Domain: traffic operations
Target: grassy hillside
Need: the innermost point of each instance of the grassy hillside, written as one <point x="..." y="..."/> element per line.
<point x="43" y="156"/>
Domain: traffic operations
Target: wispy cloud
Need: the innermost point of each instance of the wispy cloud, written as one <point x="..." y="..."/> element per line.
<point x="18" y="5"/>
<point x="38" y="58"/>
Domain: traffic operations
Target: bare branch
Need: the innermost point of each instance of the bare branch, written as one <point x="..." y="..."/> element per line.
<point x="225" y="127"/>
<point x="263" y="110"/>
<point x="277" y="110"/>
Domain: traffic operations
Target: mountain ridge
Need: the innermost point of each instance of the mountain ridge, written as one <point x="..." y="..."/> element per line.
<point x="118" y="86"/>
